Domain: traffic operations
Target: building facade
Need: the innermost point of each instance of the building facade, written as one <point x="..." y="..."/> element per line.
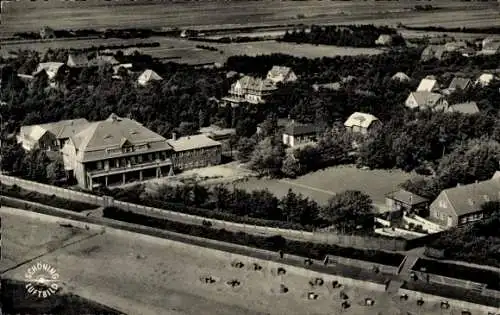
<point x="195" y="151"/>
<point x="250" y="90"/>
<point x="361" y="123"/>
<point x="296" y="134"/>
<point x="116" y="151"/>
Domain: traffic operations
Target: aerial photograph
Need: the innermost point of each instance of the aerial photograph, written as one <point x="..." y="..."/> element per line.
<point x="250" y="157"/>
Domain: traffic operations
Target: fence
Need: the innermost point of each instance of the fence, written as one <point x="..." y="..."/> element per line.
<point x="314" y="237"/>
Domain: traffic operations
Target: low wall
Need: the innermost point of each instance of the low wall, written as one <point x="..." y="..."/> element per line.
<point x="106" y="201"/>
<point x="465" y="284"/>
<point x="364" y="264"/>
<point x="414" y="295"/>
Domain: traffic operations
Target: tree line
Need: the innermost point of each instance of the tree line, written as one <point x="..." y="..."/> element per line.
<point x="346" y="212"/>
<point x="337" y="35"/>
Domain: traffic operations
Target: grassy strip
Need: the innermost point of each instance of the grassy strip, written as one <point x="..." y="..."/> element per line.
<point x="53" y="201"/>
<point x="311" y="250"/>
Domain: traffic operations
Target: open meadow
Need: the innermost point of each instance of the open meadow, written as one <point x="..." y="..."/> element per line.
<point x="323" y="184"/>
<point x="138" y="274"/>
<point x="21" y="16"/>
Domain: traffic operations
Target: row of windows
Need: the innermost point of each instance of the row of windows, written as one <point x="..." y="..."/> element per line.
<point x="197" y="152"/>
<point x="471" y="218"/>
<point x="124" y="162"/>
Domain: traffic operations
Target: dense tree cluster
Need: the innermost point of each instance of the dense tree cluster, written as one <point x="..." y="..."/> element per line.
<point x="478" y="243"/>
<point x="349" y="212"/>
<point x="337" y="35"/>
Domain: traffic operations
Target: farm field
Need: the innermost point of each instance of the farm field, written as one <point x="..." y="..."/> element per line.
<point x="138" y="274"/>
<point x="323" y="184"/>
<point x="185" y="51"/>
<point x="31" y="16"/>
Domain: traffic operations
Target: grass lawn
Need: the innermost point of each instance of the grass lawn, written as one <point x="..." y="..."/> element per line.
<point x="323" y="184"/>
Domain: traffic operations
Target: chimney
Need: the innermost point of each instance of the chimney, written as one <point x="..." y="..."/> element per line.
<point x="174" y="136"/>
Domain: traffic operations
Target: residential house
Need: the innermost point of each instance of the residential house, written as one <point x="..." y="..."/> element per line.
<point x="280" y="74"/>
<point x="51" y="68"/>
<point x="384" y="40"/>
<point x="77" y="61"/>
<point x="490" y="46"/>
<point x="102" y="60"/>
<point x="406" y="202"/>
<point x="401" y="76"/>
<point x="51" y="136"/>
<point x="468" y="108"/>
<point x="195" y="151"/>
<point x="428" y="84"/>
<point x="147" y="77"/>
<point x="485" y="79"/>
<point x="361" y="123"/>
<point x="433" y="51"/>
<point x="47" y="33"/>
<point x="458" y="83"/>
<point x="426" y="100"/>
<point x="296" y="134"/>
<point x="463" y="204"/>
<point x="249" y="90"/>
<point x="115" y="151"/>
<point x="126" y="68"/>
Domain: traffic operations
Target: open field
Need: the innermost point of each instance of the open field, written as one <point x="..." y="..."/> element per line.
<point x="139" y="274"/>
<point x="185" y="51"/>
<point x="30" y="16"/>
<point x="323" y="184"/>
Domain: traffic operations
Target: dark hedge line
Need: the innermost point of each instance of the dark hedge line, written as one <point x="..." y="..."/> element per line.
<point x="213" y="214"/>
<point x="103" y="47"/>
<point x="451" y="292"/>
<point x="274" y="243"/>
<point x="53" y="201"/>
<point x="485" y="30"/>
<point x="491" y="278"/>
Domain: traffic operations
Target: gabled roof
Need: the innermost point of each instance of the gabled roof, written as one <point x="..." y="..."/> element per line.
<point x="492" y="47"/>
<point x="277" y="71"/>
<point x="362" y="120"/>
<point x="298" y="129"/>
<point x="427" y="84"/>
<point x="62" y="129"/>
<point x="426" y="99"/>
<point x="406" y="197"/>
<point x="401" y="76"/>
<point x="149" y="75"/>
<point x="98" y="138"/>
<point x="51" y="68"/>
<point x="192" y="142"/>
<point x="459" y="83"/>
<point x="122" y="65"/>
<point x="433" y="51"/>
<point x="464" y="108"/>
<point x="485" y="78"/>
<point x="467" y="199"/>
<point x="255" y="84"/>
<point x="77" y="60"/>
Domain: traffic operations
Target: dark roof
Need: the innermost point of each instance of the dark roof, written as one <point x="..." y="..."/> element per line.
<point x="468" y="199"/>
<point x="406" y="197"/>
<point x="460" y="83"/>
<point x="297" y="129"/>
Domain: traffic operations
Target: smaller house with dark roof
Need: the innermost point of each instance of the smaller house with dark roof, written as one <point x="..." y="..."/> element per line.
<point x="406" y="202"/>
<point x="361" y="123"/>
<point x="433" y="51"/>
<point x="460" y="84"/>
<point x="296" y="134"/>
<point x="426" y="100"/>
<point x="463" y="204"/>
<point x="468" y="108"/>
